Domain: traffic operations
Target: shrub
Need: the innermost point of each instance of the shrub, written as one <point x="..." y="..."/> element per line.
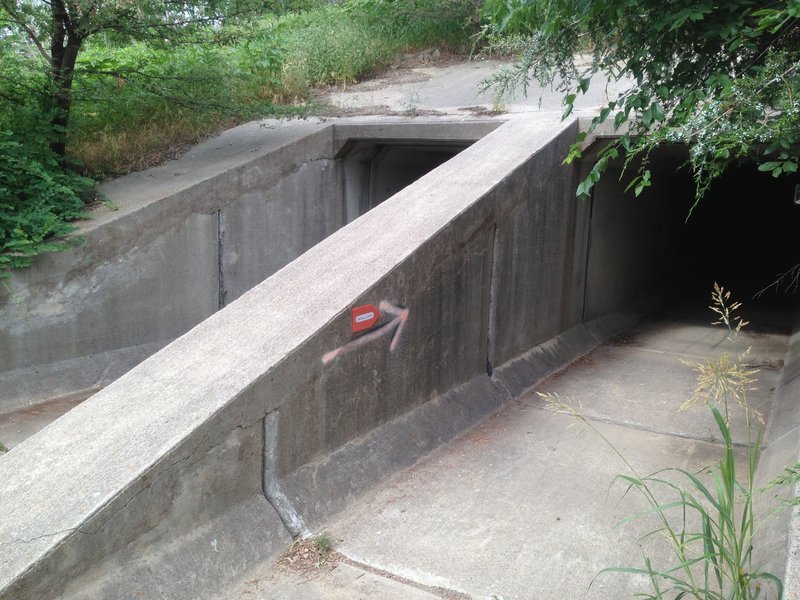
<point x="37" y="198"/>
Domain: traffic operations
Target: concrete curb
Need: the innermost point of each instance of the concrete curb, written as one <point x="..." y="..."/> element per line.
<point x="779" y="537"/>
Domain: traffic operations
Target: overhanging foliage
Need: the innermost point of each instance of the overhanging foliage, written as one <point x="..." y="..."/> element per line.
<point x="720" y="76"/>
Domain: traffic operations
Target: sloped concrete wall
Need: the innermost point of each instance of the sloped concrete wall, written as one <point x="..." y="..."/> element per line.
<point x="149" y="269"/>
<point x="195" y="465"/>
<point x="176" y="244"/>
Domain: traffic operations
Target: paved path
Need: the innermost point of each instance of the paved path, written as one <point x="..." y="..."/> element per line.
<point x="521" y="507"/>
<point x="455" y="88"/>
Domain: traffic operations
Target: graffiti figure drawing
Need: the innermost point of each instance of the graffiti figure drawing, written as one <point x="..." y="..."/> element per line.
<point x="395" y="327"/>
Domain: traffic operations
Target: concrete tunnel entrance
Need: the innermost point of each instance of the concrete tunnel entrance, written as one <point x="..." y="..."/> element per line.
<point x="375" y="170"/>
<point x="742" y="234"/>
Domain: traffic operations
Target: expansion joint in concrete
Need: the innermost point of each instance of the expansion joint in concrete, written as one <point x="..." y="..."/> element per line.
<point x="439" y="591"/>
<point x="490" y="327"/>
<point x="287" y="513"/>
<point x="638" y="427"/>
<point x="221" y="259"/>
<point x="587" y="255"/>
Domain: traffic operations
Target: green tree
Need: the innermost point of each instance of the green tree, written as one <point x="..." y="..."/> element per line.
<point x="720" y="76"/>
<point x="40" y="42"/>
<point x="58" y="29"/>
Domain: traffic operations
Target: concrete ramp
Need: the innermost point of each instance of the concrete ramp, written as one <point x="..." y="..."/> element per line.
<point x="197" y="467"/>
<point x="524" y="506"/>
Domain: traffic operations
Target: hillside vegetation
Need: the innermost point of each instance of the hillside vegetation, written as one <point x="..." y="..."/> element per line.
<point x="150" y="77"/>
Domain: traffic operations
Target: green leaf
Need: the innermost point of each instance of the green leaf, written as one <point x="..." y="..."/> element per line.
<point x="647" y="117"/>
<point x="584" y="188"/>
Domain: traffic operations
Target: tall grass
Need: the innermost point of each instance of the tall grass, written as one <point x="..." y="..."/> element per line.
<point x="135" y="102"/>
<point x="706" y="519"/>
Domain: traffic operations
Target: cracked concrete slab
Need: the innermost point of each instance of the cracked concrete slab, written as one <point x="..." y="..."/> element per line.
<point x="339" y="581"/>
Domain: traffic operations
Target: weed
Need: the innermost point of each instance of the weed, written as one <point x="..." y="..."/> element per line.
<point x="109" y="204"/>
<point x="709" y="527"/>
<point x="3" y="448"/>
<point x="724" y="379"/>
<point x="310" y="554"/>
<point x="411" y="104"/>
<point x="323" y="544"/>
<point x="789" y="279"/>
<point x="498" y="105"/>
<point x="488" y="42"/>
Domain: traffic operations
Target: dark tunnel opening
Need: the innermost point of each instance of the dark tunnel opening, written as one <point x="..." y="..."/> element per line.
<point x="375" y="170"/>
<point x="741" y="234"/>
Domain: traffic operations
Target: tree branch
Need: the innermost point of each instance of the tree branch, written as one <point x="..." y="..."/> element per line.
<point x="27" y="29"/>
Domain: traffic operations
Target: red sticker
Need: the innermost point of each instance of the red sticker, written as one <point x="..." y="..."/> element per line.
<point x="364" y="317"/>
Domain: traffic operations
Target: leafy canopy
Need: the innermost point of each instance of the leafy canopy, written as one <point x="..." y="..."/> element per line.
<point x="720" y="76"/>
<point x="132" y="19"/>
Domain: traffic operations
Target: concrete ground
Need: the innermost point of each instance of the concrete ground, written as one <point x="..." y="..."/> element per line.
<point x="18" y="425"/>
<point x="455" y="88"/>
<point x="524" y="505"/>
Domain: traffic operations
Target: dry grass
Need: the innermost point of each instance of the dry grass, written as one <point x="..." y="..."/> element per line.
<point x="119" y="152"/>
<point x="312" y="555"/>
<point x="724" y="380"/>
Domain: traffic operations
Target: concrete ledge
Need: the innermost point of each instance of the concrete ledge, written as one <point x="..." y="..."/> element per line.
<point x="521" y="374"/>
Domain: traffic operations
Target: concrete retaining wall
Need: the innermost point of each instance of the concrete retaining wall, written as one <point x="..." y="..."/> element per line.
<point x="778" y="541"/>
<point x="185" y="239"/>
<point x="194" y="466"/>
<point x="634" y="258"/>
